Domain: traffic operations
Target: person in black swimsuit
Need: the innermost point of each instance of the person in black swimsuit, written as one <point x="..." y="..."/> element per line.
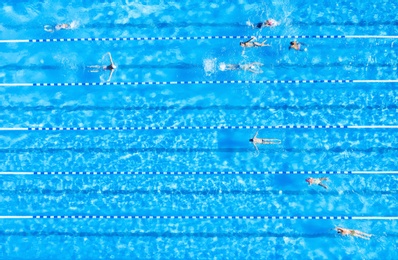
<point x="111" y="67"/>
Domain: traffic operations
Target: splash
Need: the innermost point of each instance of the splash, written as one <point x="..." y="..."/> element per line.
<point x="209" y="65"/>
<point x="74" y="25"/>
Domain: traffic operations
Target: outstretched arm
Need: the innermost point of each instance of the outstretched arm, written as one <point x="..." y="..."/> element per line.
<point x="110" y="58"/>
<point x="251" y="39"/>
<point x="255" y="135"/>
<point x="255" y="146"/>
<point x="110" y="75"/>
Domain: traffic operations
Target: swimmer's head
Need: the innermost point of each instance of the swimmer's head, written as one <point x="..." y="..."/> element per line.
<point x="62" y="26"/>
<point x="309" y="180"/>
<point x="242" y="44"/>
<point x="292" y="43"/>
<point x="270" y="22"/>
<point x="251" y="140"/>
<point x="222" y="66"/>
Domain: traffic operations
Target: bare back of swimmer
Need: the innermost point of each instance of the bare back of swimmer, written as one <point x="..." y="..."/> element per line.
<point x="255" y="140"/>
<point x="352" y="232"/>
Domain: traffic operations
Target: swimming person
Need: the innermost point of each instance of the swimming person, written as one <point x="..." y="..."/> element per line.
<point x="297" y="46"/>
<point x="250" y="43"/>
<point x="352" y="232"/>
<point x="111" y="67"/>
<point x="267" y="23"/>
<point x="256" y="140"/>
<point x="61" y="26"/>
<point x="252" y="67"/>
<point x="317" y="181"/>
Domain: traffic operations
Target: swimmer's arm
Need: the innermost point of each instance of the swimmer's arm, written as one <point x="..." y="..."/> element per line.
<point x="255" y="136"/>
<point x="110" y="57"/>
<point x="110" y="75"/>
<point x="255" y="146"/>
<point x="251" y="39"/>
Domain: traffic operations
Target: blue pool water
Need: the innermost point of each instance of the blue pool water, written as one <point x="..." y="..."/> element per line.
<point x="193" y="150"/>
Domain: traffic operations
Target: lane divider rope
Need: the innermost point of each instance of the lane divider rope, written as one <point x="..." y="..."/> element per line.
<point x="201" y="217"/>
<point x="192" y="173"/>
<point x="201" y="38"/>
<point x="195" y="127"/>
<point x="197" y="82"/>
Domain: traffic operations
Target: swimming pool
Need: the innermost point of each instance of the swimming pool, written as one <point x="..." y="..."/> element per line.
<point x="185" y="182"/>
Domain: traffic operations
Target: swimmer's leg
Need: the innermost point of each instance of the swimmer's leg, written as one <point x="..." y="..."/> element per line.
<point x="48" y="28"/>
<point x="362" y="236"/>
<point x="94" y="68"/>
<point x="322" y="185"/>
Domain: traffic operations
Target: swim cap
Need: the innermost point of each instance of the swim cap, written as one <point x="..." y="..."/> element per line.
<point x="308" y="180"/>
<point x="222" y="66"/>
<point x="272" y="22"/>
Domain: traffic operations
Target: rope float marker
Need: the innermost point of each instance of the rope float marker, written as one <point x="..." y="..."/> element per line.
<point x="201" y="38"/>
<point x="130" y="128"/>
<point x="203" y="217"/>
<point x="195" y="173"/>
<point x="199" y="82"/>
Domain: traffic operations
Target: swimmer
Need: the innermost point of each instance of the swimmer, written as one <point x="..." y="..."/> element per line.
<point x="352" y="232"/>
<point x="317" y="181"/>
<point x="297" y="46"/>
<point x="252" y="67"/>
<point x="250" y="44"/>
<point x="111" y="67"/>
<point x="267" y="23"/>
<point x="256" y="140"/>
<point x="62" y="26"/>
